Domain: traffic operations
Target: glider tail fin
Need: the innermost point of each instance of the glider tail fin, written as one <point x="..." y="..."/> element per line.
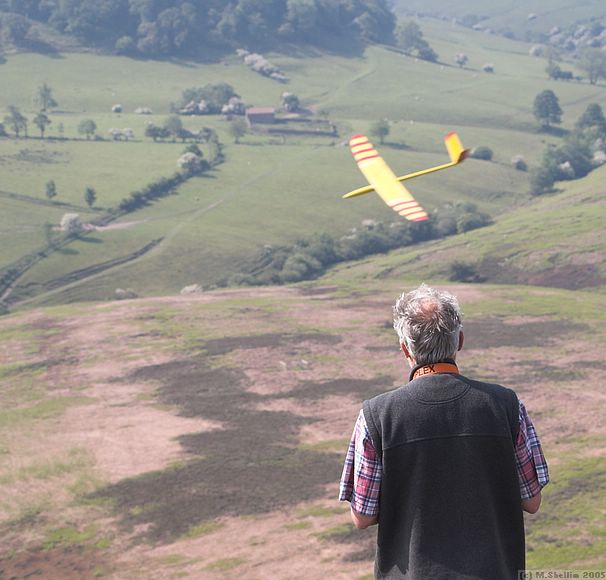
<point x="455" y="148"/>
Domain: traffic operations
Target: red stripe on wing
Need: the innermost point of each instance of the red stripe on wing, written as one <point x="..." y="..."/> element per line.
<point x="367" y="157"/>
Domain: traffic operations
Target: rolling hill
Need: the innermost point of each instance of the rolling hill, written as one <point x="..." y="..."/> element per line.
<point x="216" y="222"/>
<point x="202" y="436"/>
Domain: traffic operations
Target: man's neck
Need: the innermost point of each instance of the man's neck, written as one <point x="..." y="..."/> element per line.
<point x="446" y="366"/>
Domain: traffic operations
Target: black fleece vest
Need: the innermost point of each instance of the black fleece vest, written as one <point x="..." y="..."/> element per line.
<point x="450" y="504"/>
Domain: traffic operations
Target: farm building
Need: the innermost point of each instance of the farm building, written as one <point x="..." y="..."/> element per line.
<point x="260" y="115"/>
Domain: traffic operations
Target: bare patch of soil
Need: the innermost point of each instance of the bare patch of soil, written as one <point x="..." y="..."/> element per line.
<point x="492" y="332"/>
<point x="225" y="345"/>
<point x="222" y="461"/>
<point x="570" y="276"/>
<point x="253" y="465"/>
<point x="74" y="563"/>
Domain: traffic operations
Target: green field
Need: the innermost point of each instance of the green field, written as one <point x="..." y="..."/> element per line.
<point x="508" y="15"/>
<point x="267" y="191"/>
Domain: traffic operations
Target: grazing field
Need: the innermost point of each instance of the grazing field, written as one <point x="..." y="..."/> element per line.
<point x="204" y="436"/>
<point x="268" y="190"/>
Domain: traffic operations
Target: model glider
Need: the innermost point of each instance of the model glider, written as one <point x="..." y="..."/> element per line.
<point x="384" y="181"/>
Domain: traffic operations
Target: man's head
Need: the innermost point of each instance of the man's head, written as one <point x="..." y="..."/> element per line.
<point x="428" y="323"/>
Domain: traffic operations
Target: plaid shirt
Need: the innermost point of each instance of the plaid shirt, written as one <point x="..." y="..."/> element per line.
<point x="362" y="472"/>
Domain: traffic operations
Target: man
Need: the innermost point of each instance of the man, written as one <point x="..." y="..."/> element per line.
<point x="445" y="465"/>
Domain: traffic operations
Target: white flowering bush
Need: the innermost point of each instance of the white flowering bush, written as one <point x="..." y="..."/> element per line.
<point x="191" y="163"/>
<point x="71" y="223"/>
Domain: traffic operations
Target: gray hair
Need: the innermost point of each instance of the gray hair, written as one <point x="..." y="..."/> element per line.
<point x="428" y="323"/>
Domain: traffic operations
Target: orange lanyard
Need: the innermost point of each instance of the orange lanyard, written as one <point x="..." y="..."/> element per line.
<point x="435" y="368"/>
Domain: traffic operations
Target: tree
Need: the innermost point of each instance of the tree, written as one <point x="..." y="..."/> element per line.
<point x="156" y="132"/>
<point x="410" y="38"/>
<point x="571" y="160"/>
<point x="44" y="97"/>
<point x="547" y="109"/>
<point x="51" y="189"/>
<point x="87" y="127"/>
<point x="593" y="117"/>
<point x="90" y="196"/>
<point x="174" y="125"/>
<point x="193" y="148"/>
<point x="301" y="19"/>
<point x="380" y="129"/>
<point x="214" y="96"/>
<point x="427" y="53"/>
<point x="192" y="164"/>
<point x="71" y="223"/>
<point x="125" y="45"/>
<point x="541" y="181"/>
<point x="461" y="59"/>
<point x="238" y="128"/>
<point x="290" y="102"/>
<point x="15" y="28"/>
<point x="16" y="120"/>
<point x="553" y="71"/>
<point x="41" y="121"/>
<point x="593" y="62"/>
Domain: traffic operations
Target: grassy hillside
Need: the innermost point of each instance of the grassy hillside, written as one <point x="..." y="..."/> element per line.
<point x="507" y="15"/>
<point x="267" y="191"/>
<point x="555" y="240"/>
<point x="139" y="439"/>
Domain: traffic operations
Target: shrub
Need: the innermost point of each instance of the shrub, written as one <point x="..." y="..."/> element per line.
<point x="541" y="181"/>
<point x="125" y="294"/>
<point x="461" y="59"/>
<point x="309" y="258"/>
<point x="472" y="221"/>
<point x="192" y="164"/>
<point x="300" y="266"/>
<point x="482" y="152"/>
<point x="427" y="53"/>
<point x="463" y="272"/>
<point x="519" y="163"/>
<point x="536" y="50"/>
<point x="125" y="45"/>
<point x="71" y="223"/>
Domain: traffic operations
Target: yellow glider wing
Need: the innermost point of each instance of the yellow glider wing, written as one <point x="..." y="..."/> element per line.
<point x="383" y="180"/>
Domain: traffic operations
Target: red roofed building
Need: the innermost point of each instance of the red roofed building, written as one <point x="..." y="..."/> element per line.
<point x="260" y="115"/>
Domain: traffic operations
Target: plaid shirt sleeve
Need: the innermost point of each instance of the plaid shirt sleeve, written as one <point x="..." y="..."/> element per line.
<point x="362" y="472"/>
<point x="533" y="474"/>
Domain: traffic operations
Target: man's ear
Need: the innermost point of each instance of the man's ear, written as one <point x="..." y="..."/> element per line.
<point x="461" y="340"/>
